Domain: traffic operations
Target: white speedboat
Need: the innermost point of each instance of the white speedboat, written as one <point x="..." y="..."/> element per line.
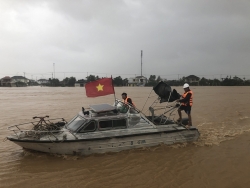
<point x="106" y="128"/>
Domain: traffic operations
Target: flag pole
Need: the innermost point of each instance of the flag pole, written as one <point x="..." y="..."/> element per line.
<point x="113" y="89"/>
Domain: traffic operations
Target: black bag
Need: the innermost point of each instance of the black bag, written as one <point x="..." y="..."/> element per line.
<point x="165" y="92"/>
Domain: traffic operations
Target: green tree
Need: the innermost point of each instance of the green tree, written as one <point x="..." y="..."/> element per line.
<point x="158" y="79"/>
<point x="55" y="82"/>
<point x="65" y="81"/>
<point x="71" y="81"/>
<point x="151" y="81"/>
<point x="216" y="82"/>
<point x="118" y="81"/>
<point x="125" y="82"/>
<point x="152" y="78"/>
<point x="203" y="82"/>
<point x="91" y="78"/>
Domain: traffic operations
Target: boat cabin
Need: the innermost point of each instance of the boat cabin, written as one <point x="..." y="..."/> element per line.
<point x="104" y="117"/>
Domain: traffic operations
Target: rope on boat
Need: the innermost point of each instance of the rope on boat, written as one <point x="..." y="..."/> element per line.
<point x="146" y="100"/>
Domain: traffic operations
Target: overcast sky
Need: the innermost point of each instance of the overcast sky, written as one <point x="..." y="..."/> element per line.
<point x="209" y="38"/>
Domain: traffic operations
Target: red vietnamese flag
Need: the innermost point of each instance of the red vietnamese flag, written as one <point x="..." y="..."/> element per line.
<point x="100" y="87"/>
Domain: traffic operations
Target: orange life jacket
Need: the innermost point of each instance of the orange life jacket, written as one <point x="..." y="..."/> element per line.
<point x="126" y="101"/>
<point x="190" y="102"/>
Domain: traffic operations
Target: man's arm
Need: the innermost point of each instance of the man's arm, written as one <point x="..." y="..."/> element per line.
<point x="130" y="101"/>
<point x="186" y="99"/>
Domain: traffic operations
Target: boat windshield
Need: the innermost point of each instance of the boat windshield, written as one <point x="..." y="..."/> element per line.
<point x="75" y="123"/>
<point x="121" y="107"/>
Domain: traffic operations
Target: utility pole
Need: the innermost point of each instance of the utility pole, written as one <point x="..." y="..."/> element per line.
<point x="24" y="78"/>
<point x="52" y="80"/>
<point x="64" y="79"/>
<point x="141" y="62"/>
<point x="54" y="70"/>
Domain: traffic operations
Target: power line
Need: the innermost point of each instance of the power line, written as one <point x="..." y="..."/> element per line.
<point x="168" y="76"/>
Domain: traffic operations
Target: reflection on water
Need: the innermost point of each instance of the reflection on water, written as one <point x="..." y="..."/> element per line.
<point x="220" y="113"/>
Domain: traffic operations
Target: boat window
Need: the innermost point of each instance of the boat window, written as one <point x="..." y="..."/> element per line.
<point x="72" y="119"/>
<point x="120" y="123"/>
<point x="91" y="126"/>
<point x="76" y="123"/>
<point x="115" y="124"/>
<point x="105" y="124"/>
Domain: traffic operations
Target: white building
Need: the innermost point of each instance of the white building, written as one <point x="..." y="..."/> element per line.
<point x="17" y="79"/>
<point x="137" y="81"/>
<point x="192" y="79"/>
<point x="7" y="82"/>
<point x="42" y="81"/>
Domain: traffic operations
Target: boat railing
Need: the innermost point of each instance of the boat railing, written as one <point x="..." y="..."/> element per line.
<point x="166" y="112"/>
<point x="33" y="122"/>
<point x="40" y="128"/>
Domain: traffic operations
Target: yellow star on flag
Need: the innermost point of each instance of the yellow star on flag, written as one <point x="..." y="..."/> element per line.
<point x="99" y="87"/>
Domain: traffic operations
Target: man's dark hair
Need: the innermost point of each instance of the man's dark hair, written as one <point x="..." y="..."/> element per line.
<point x="124" y="94"/>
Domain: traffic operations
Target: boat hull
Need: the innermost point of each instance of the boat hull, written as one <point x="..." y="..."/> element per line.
<point x="109" y="144"/>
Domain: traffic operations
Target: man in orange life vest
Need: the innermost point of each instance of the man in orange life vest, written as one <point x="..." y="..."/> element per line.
<point x="186" y="104"/>
<point x="126" y="99"/>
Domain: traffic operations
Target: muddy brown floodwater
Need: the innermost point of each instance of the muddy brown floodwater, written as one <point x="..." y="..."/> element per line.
<point x="220" y="158"/>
